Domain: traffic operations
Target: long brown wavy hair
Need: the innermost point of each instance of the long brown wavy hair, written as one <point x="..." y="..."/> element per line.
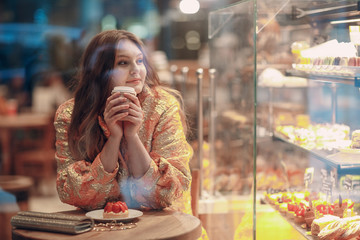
<point x="85" y="136"/>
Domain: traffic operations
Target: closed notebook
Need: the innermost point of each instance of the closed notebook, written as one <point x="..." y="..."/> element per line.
<point x="52" y="222"/>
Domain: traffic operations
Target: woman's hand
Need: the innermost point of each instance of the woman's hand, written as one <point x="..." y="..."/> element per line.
<point x="115" y="112"/>
<point x="134" y="119"/>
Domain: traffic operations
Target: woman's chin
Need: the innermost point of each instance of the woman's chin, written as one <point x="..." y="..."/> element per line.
<point x="138" y="88"/>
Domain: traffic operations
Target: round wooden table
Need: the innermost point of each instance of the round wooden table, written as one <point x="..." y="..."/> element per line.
<point x="165" y="224"/>
<point x="19" y="186"/>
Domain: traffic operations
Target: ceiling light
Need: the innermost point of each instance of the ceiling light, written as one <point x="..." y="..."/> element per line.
<point x="189" y="6"/>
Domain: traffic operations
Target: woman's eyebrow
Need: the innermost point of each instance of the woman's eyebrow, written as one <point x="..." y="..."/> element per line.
<point x="120" y="53"/>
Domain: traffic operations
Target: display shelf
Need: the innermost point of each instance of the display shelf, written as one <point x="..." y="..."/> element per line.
<point x="298" y="227"/>
<point x="306" y="233"/>
<point x="325" y="10"/>
<point x="350" y="78"/>
<point x="344" y="162"/>
<point x="303" y="231"/>
<point x="258" y="77"/>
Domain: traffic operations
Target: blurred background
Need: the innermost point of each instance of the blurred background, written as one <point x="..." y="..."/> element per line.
<point x="40" y="46"/>
<point x="41" y="41"/>
<point x="253" y="45"/>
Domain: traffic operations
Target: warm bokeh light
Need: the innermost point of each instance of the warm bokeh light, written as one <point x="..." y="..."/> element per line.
<point x="108" y="22"/>
<point x="189" y="6"/>
<point x="193" y="40"/>
<point x="139" y="29"/>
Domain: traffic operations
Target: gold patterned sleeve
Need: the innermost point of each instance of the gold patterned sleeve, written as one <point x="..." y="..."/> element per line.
<point x="80" y="183"/>
<point x="168" y="177"/>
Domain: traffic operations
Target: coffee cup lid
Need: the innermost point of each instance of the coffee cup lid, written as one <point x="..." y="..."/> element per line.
<point x="123" y="89"/>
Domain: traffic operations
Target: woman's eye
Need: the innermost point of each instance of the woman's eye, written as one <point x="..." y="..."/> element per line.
<point x="140" y="61"/>
<point x="122" y="62"/>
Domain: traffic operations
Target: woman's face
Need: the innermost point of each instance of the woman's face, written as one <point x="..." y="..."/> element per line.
<point x="129" y="69"/>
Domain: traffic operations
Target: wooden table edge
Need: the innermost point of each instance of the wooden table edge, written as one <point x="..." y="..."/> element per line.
<point x="194" y="234"/>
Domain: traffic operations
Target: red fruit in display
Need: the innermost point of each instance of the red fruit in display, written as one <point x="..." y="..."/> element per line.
<point x="296" y="207"/>
<point x="123" y="206"/>
<point x="116" y="208"/>
<point x="321" y="208"/>
<point x="291" y="207"/>
<point x="302" y="212"/>
<point x="108" y="207"/>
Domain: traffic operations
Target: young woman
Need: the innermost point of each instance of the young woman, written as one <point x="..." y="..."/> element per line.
<point x="109" y="148"/>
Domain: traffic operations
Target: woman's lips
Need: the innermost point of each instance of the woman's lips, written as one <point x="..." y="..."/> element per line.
<point x="134" y="81"/>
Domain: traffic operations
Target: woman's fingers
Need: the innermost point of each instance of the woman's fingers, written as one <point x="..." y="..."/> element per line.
<point x="132" y="98"/>
<point x="135" y="117"/>
<point x="115" y="104"/>
<point x="135" y="110"/>
<point x="111" y="98"/>
<point x="119" y="117"/>
<point x="118" y="109"/>
<point x="126" y="108"/>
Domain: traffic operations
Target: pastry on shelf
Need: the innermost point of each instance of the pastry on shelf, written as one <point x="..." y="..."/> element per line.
<point x="316" y="136"/>
<point x="343" y="208"/>
<point x="291" y="211"/>
<point x="352" y="231"/>
<point x="355" y="139"/>
<point x="337" y="228"/>
<point x="339" y="210"/>
<point x="333" y="230"/>
<point x="318" y="224"/>
<point x="309" y="216"/>
<point x="300" y="210"/>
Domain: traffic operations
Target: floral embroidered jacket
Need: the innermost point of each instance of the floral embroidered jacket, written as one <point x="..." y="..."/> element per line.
<point x="166" y="183"/>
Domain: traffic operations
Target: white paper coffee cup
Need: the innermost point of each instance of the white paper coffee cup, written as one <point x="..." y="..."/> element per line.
<point x="123" y="89"/>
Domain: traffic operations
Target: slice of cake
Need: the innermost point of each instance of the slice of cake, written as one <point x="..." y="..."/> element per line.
<point x="355" y="139"/>
<point x="333" y="230"/>
<point x="318" y="224"/>
<point x="116" y="210"/>
<point x="352" y="231"/>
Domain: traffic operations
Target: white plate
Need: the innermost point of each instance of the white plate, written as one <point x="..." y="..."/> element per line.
<point x="98" y="215"/>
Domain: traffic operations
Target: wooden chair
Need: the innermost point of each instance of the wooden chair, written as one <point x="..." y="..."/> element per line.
<point x="34" y="153"/>
<point x="195" y="191"/>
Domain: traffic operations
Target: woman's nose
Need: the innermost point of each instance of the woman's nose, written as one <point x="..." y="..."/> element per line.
<point x="134" y="68"/>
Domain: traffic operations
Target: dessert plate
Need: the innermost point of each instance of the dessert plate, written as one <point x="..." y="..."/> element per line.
<point x="98" y="215"/>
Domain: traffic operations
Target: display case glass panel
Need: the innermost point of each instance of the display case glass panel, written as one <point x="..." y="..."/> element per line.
<point x="284" y="120"/>
<point x="226" y="203"/>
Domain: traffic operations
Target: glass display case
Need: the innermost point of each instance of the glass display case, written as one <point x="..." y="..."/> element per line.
<point x="283" y="117"/>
